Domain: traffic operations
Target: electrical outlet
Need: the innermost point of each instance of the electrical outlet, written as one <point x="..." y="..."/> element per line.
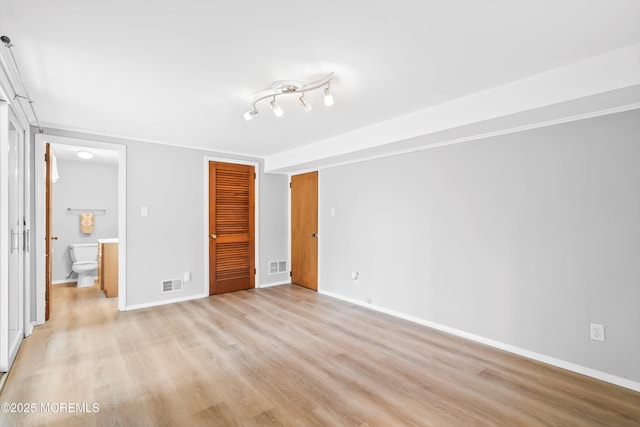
<point x="186" y="277"/>
<point x="597" y="332"/>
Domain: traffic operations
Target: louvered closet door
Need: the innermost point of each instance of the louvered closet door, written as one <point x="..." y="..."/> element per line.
<point x="231" y="227"/>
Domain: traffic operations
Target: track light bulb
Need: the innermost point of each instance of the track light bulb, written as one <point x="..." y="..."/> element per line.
<point x="251" y="113"/>
<point x="307" y="107"/>
<point x="328" y="96"/>
<point x="275" y="107"/>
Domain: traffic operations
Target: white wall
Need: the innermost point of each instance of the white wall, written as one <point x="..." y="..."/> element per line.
<point x="170" y="181"/>
<point x="83" y="185"/>
<point x="523" y="239"/>
<point x="274" y="227"/>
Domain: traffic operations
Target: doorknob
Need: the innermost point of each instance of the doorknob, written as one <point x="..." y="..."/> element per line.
<point x="213" y="236"/>
<point x="314" y="234"/>
<point x="54" y="237"/>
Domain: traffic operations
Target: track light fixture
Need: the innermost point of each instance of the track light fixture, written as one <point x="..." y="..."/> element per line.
<point x="275" y="107"/>
<point x="328" y="95"/>
<point x="291" y="87"/>
<point x="251" y="113"/>
<point x="307" y="107"/>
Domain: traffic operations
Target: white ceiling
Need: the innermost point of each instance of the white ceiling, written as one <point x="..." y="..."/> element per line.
<point x="70" y="153"/>
<point x="183" y="72"/>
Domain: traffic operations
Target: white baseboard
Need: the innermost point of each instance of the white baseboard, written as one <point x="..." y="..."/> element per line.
<point x="268" y="285"/>
<point x="65" y="281"/>
<point x="28" y="330"/>
<point x="163" y="302"/>
<point x="192" y="297"/>
<point x="603" y="376"/>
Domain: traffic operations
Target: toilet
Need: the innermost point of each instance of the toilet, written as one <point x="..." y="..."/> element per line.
<point x="84" y="257"/>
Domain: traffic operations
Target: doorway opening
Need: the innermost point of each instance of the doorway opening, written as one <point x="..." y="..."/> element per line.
<point x="84" y="218"/>
<point x="87" y="219"/>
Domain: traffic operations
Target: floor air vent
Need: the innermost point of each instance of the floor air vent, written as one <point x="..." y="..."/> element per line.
<point x="171" y="285"/>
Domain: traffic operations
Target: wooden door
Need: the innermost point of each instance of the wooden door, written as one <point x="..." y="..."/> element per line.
<point x="47" y="236"/>
<point x="304" y="230"/>
<point x="231" y="227"/>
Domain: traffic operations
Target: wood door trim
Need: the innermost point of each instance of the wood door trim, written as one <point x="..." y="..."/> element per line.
<point x="47" y="235"/>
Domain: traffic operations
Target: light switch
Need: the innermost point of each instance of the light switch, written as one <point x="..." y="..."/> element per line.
<point x="144" y="211"/>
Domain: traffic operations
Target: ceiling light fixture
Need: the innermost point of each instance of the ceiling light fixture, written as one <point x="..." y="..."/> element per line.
<point x="305" y="104"/>
<point x="85" y="154"/>
<point x="251" y="113"/>
<point x="328" y="95"/>
<point x="291" y="87"/>
<point x="276" y="108"/>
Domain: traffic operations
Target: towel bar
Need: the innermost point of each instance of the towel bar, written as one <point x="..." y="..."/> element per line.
<point x="86" y="210"/>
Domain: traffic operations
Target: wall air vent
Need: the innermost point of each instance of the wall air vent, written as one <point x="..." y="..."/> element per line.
<point x="276" y="267"/>
<point x="171" y="285"/>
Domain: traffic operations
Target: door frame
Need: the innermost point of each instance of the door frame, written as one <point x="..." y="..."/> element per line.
<point x="29" y="322"/>
<point x="205" y="207"/>
<point x="39" y="185"/>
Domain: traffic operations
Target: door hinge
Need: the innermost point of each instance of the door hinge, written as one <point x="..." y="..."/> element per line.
<point x="254" y="271"/>
<point x="290" y="273"/>
<point x="46" y="158"/>
<point x="254" y="175"/>
<point x="289" y="185"/>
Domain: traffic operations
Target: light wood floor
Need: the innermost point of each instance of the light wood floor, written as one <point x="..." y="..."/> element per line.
<point x="285" y="356"/>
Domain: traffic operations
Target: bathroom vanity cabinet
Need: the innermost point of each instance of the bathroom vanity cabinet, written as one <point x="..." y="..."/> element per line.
<point x="108" y="267"/>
